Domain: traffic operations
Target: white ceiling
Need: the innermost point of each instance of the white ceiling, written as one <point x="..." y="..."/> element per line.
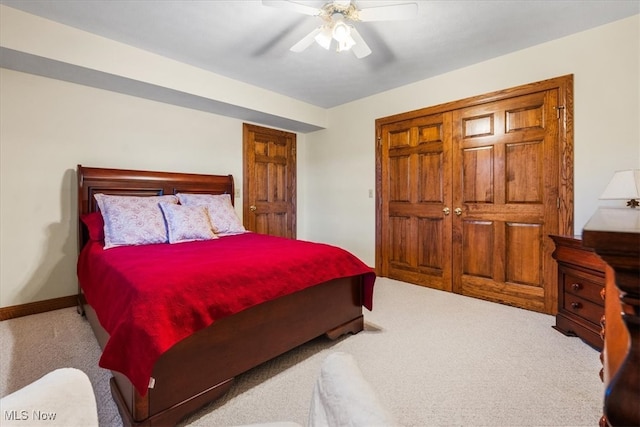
<point x="250" y="42"/>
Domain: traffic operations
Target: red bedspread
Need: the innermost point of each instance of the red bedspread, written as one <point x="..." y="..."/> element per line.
<point x="150" y="297"/>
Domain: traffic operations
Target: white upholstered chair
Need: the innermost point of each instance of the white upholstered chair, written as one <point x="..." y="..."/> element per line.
<point x="63" y="397"/>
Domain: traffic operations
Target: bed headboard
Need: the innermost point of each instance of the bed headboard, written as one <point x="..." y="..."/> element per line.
<point x="124" y="182"/>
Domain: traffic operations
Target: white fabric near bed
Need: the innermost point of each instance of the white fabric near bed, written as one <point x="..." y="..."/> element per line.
<point x="341" y="397"/>
<point x="63" y="397"/>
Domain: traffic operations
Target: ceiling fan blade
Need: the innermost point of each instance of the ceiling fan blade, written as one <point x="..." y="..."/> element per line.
<point x="306" y="41"/>
<point x="395" y="12"/>
<point x="360" y="49"/>
<point x="293" y="6"/>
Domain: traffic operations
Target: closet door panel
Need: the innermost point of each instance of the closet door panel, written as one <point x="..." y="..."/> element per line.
<point x="430" y="256"/>
<point x="400" y="179"/>
<point x="416" y="235"/>
<point x="399" y="252"/>
<point x="477" y="174"/>
<point x="524" y="172"/>
<point x="523" y="254"/>
<point x="503" y="191"/>
<point x="477" y="248"/>
<point x="431" y="166"/>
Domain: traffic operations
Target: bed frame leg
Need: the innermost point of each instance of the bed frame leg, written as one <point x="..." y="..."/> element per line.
<point x="353" y="326"/>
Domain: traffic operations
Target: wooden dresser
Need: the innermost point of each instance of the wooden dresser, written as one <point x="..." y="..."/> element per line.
<point x="581" y="280"/>
<point x="615" y="236"/>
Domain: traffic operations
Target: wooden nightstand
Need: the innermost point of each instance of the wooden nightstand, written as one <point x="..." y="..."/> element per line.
<point x="581" y="282"/>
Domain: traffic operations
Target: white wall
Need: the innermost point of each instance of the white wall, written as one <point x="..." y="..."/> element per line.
<point x="340" y="160"/>
<point x="47" y="127"/>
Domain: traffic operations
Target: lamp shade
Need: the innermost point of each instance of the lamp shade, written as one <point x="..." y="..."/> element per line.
<point x="624" y="185"/>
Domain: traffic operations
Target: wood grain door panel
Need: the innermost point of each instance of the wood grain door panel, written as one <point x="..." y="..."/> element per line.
<point x="417" y="234"/>
<point x="507" y="193"/>
<point x="269" y="181"/>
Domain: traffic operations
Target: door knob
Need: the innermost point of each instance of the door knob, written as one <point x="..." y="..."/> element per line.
<point x="446" y="211"/>
<point x="252" y="208"/>
<point x="458" y="211"/>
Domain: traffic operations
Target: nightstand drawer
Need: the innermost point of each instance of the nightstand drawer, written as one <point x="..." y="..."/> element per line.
<point x="576" y="284"/>
<point x="583" y="308"/>
<point x="580" y="282"/>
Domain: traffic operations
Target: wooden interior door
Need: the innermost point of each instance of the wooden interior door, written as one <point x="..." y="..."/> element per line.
<point x="505" y="194"/>
<point x="416" y="237"/>
<point x="269" y="182"/>
<point x="468" y="193"/>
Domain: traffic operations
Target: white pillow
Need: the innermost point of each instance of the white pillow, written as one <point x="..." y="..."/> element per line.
<point x="187" y="223"/>
<point x="133" y="220"/>
<point x="223" y="216"/>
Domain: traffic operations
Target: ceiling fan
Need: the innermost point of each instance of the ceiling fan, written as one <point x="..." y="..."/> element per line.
<point x="337" y="16"/>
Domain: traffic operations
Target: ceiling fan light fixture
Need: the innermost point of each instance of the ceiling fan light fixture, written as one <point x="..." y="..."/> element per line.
<point x="341" y="31"/>
<point x="324" y="37"/>
<point x="346" y="44"/>
<point x="342" y="34"/>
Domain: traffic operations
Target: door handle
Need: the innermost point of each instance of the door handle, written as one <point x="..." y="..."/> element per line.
<point x="252" y="208"/>
<point x="446" y="211"/>
<point x="457" y="211"/>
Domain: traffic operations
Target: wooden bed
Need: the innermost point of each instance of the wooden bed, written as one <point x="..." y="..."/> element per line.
<point x="201" y="368"/>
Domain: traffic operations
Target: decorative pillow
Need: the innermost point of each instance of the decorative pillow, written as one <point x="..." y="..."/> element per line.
<point x="187" y="223"/>
<point x="95" y="225"/>
<point x="221" y="212"/>
<point x="133" y="220"/>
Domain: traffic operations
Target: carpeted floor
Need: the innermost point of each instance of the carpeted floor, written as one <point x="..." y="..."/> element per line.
<point x="434" y="359"/>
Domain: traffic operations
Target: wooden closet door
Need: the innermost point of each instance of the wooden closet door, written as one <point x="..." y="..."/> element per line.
<point x="415" y="169"/>
<point x="505" y="183"/>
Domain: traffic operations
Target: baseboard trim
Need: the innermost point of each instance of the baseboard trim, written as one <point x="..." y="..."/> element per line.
<point x="14" y="311"/>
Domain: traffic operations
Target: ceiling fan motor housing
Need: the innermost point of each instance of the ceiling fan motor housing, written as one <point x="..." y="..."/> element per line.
<point x="345" y="9"/>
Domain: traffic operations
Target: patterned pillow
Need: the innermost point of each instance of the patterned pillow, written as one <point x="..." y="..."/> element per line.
<point x="223" y="217"/>
<point x="187" y="223"/>
<point x="133" y="220"/>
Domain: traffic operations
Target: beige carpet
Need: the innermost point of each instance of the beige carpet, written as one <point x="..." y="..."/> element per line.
<point x="434" y="358"/>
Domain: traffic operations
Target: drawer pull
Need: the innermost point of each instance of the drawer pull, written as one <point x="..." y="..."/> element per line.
<point x="576" y="286"/>
<point x="576" y="305"/>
